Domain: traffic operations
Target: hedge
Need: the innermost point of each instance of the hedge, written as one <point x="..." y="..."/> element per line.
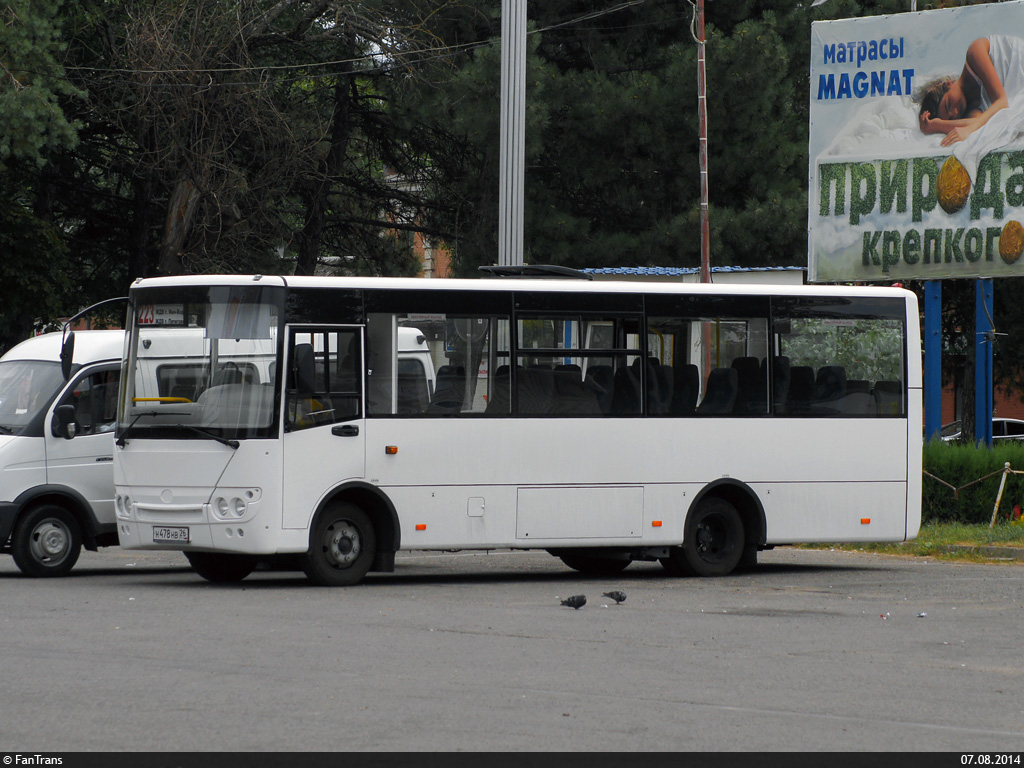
<point x="959" y="465"/>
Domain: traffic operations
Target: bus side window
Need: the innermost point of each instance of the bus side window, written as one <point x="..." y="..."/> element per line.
<point x="846" y="365"/>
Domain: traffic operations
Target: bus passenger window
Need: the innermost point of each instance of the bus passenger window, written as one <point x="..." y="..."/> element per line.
<point x="436" y="364"/>
<point x="846" y="365"/>
<point x="707" y="366"/>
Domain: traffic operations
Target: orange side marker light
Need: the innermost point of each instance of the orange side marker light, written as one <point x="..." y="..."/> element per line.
<point x="421" y="526"/>
<point x="390" y="450"/>
<point x="656" y="523"/>
<point x="865" y="521"/>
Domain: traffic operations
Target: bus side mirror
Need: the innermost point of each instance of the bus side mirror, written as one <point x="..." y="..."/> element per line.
<point x="67" y="355"/>
<point x="64" y="424"/>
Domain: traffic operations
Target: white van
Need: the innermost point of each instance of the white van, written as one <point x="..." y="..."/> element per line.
<point x="57" y="493"/>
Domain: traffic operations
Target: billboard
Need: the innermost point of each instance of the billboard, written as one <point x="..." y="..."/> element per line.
<point x="899" y="192"/>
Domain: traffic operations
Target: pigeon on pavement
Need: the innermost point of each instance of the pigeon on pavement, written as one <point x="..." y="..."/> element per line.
<point x="576" y="601"/>
<point x="618" y="597"/>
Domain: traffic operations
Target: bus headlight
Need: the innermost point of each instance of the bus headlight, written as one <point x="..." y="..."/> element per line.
<point x="123" y="506"/>
<point x="235" y="503"/>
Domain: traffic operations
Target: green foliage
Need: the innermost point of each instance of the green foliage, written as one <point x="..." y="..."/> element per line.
<point x="32" y="82"/>
<point x="959" y="465"/>
<point x="33" y="270"/>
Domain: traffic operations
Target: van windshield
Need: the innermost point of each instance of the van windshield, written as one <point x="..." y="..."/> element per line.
<point x="26" y="388"/>
<point x="202" y="362"/>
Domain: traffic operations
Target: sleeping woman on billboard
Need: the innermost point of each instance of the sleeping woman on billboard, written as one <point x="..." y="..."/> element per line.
<point x="982" y="109"/>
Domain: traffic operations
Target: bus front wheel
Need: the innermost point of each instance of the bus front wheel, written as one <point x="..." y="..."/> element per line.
<point x="712" y="543"/>
<point x="47" y="541"/>
<point x="221" y="568"/>
<point x="341" y="547"/>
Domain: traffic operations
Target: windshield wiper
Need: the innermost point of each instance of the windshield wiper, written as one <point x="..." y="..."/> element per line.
<point x="218" y="438"/>
<point x="120" y="442"/>
<point x="6" y="430"/>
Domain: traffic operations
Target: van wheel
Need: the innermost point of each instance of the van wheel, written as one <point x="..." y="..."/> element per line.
<point x="47" y="541"/>
<point x="341" y="547"/>
<point x="221" y="568"/>
<point x="712" y="543"/>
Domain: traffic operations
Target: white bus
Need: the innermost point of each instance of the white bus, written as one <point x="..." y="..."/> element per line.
<point x="603" y="422"/>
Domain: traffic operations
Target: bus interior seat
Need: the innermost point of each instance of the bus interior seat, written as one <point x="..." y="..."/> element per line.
<point x="801" y="388"/>
<point x="626" y="398"/>
<point x="229" y="373"/>
<point x="858" y="386"/>
<point x="720" y="393"/>
<point x="751" y="388"/>
<point x="449" y="390"/>
<point x="499" y="399"/>
<point x="830" y="383"/>
<point x="535" y="388"/>
<point x="659" y="387"/>
<point x="685" y="389"/>
<point x="600" y="380"/>
<point x="780" y="381"/>
<point x="571" y="395"/>
<point x="888" y="398"/>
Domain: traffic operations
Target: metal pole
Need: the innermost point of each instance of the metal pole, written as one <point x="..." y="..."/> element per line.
<point x="513" y="132"/>
<point x="702" y="111"/>
<point x="932" y="359"/>
<point x="983" y="343"/>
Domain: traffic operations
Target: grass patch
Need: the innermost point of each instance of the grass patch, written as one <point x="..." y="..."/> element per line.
<point x="945" y="541"/>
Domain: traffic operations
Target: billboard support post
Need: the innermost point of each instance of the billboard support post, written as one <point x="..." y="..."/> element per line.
<point x="932" y="359"/>
<point x="984" y="337"/>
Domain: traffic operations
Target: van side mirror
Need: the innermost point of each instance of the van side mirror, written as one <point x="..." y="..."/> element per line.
<point x="67" y="355"/>
<point x="64" y="423"/>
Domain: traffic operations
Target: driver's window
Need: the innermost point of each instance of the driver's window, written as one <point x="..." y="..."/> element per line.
<point x="95" y="400"/>
<point x="323" y="382"/>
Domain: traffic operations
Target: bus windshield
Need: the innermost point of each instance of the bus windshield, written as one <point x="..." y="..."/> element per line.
<point x="202" y="361"/>
<point x="26" y="388"/>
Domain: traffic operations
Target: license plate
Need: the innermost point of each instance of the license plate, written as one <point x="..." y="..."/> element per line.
<point x="178" y="535"/>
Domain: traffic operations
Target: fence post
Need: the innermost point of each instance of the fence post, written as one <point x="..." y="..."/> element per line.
<point x="999" y="496"/>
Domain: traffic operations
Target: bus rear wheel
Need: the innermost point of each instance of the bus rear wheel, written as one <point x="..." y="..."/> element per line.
<point x="713" y="542"/>
<point x="221" y="568"/>
<point x="341" y="547"/>
<point x="47" y="541"/>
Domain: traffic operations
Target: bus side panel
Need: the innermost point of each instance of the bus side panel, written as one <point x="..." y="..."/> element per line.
<point x="842" y="511"/>
<point x="915" y="463"/>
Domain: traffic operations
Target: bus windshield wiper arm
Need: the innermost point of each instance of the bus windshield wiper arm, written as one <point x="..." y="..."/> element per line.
<point x="124" y="435"/>
<point x="218" y="438"/>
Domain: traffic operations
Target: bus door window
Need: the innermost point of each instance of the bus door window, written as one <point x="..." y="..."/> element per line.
<point x="323" y="384"/>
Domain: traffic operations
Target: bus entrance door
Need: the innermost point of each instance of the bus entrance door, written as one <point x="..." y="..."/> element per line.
<point x="325" y="424"/>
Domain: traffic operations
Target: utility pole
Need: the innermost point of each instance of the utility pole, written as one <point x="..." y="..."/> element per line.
<point x="512" y="166"/>
<point x="702" y="111"/>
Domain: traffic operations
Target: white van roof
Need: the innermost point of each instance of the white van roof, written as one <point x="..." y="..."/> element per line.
<point x="90" y="347"/>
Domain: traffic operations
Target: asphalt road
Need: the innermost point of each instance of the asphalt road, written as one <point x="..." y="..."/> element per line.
<point x="813" y="650"/>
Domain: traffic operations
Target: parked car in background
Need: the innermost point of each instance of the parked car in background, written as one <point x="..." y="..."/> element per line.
<point x="1002" y="429"/>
